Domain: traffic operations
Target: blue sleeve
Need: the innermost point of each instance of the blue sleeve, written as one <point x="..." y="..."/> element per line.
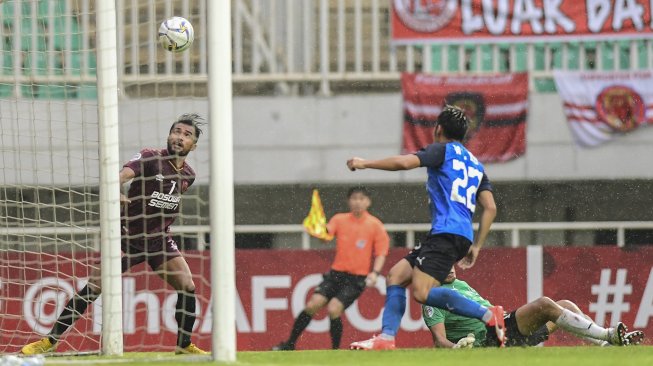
<point x="485" y="184"/>
<point x="432" y="156"/>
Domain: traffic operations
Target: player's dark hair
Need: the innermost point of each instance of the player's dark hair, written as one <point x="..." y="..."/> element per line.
<point x="358" y="189"/>
<point x="454" y="122"/>
<point x="190" y="119"/>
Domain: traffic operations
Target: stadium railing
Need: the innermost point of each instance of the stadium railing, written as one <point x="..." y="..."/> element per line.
<point x="283" y="43"/>
<point x="199" y="232"/>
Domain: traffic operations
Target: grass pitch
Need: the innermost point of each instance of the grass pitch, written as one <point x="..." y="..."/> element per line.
<point x="535" y="356"/>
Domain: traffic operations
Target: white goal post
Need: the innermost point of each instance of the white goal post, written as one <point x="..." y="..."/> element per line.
<point x="223" y="260"/>
<point x="67" y="128"/>
<point x="107" y="85"/>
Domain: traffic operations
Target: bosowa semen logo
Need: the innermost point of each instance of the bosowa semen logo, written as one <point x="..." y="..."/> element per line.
<point x="474" y="107"/>
<point x="425" y="15"/>
<point x="621" y="107"/>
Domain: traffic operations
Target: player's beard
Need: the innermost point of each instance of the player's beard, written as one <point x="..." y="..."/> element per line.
<point x="177" y="153"/>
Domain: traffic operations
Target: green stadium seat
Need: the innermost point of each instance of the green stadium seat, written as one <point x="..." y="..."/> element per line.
<point x="436" y="58"/>
<point x="6" y="90"/>
<point x="642" y="56"/>
<point x="60" y="34"/>
<point x="521" y="57"/>
<point x="53" y="91"/>
<point x="26" y="33"/>
<point x="7" y="11"/>
<point x="35" y="63"/>
<point x="58" y="8"/>
<point x="87" y="91"/>
<point x="454" y="58"/>
<point x="7" y="63"/>
<point x="624" y="55"/>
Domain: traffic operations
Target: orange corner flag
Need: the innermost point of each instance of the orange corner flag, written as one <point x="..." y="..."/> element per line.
<point x="315" y="222"/>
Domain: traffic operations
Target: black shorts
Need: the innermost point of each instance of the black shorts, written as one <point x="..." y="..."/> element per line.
<point x="341" y="285"/>
<point x="155" y="251"/>
<point x="515" y="338"/>
<point x="438" y="254"/>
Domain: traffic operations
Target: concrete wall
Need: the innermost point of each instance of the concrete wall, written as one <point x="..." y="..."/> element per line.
<point x="289" y="140"/>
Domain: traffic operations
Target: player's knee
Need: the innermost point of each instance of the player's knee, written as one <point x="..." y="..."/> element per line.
<point x="312" y="307"/>
<point x="389" y="279"/>
<point x="547" y="305"/>
<point x="188" y="286"/>
<point x="95" y="286"/>
<point x="566" y="304"/>
<point x="334" y="312"/>
<point x="420" y="295"/>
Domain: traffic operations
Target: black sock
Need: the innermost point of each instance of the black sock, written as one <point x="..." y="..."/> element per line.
<point x="336" y="332"/>
<point x="302" y="321"/>
<point x="73" y="310"/>
<point x="185" y="316"/>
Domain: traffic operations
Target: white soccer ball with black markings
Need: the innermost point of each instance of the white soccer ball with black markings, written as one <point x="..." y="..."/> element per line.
<point x="176" y="34"/>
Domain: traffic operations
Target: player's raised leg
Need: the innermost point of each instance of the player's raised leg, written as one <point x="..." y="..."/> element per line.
<point x="427" y="290"/>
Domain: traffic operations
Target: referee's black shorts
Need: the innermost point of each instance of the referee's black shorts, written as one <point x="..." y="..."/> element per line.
<point x="438" y="253"/>
<point x="343" y="286"/>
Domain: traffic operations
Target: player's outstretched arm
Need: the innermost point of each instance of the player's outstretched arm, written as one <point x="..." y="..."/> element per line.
<point x="392" y="163"/>
<point x="486" y="200"/>
<point x="439" y="334"/>
<point x="126" y="174"/>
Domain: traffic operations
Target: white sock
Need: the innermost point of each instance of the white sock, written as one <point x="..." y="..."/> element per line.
<point x="387" y="337"/>
<point x="597" y="342"/>
<point x="487" y="316"/>
<point x="580" y="326"/>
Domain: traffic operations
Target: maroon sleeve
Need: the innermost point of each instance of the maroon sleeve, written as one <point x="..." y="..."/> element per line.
<point x="138" y="161"/>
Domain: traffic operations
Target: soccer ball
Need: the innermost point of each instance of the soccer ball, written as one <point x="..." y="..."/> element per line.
<point x="176" y="34"/>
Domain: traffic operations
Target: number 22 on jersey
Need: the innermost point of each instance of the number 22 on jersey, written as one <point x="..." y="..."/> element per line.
<point x="461" y="189"/>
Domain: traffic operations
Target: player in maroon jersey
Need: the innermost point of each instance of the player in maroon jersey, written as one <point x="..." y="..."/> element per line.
<point x="159" y="178"/>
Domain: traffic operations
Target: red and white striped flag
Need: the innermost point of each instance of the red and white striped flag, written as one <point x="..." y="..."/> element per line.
<point x="602" y="105"/>
<point x="496" y="105"/>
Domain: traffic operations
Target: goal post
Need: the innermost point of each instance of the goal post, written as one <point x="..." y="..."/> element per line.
<point x="65" y="134"/>
<point x="222" y="182"/>
<point x="107" y="85"/>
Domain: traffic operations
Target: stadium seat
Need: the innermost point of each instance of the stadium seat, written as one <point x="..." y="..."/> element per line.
<point x="60" y="34"/>
<point x="35" y="63"/>
<point x="7" y="63"/>
<point x="6" y="90"/>
<point x="87" y="91"/>
<point x="58" y="8"/>
<point x="27" y="35"/>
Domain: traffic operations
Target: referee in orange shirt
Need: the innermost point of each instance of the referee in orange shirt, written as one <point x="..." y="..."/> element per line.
<point x="359" y="237"/>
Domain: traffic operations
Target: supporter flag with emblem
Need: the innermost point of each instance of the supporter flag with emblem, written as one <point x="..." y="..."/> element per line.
<point x="602" y="105"/>
<point x="496" y="105"/>
<point x="315" y="222"/>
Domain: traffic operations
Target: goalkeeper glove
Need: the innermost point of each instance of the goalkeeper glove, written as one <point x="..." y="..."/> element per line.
<point x="466" y="342"/>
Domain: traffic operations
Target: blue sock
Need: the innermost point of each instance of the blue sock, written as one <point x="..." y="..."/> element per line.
<point x="454" y="302"/>
<point x="395" y="306"/>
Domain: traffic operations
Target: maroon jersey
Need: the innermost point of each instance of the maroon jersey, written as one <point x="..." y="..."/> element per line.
<point x="155" y="193"/>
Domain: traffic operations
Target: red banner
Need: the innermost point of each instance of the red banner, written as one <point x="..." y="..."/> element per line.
<point x="496" y="106"/>
<point x="481" y="21"/>
<point x="608" y="284"/>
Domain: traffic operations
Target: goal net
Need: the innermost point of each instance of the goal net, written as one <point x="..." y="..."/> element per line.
<point x="50" y="175"/>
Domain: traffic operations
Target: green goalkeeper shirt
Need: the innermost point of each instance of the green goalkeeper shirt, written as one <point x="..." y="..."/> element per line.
<point x="457" y="326"/>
